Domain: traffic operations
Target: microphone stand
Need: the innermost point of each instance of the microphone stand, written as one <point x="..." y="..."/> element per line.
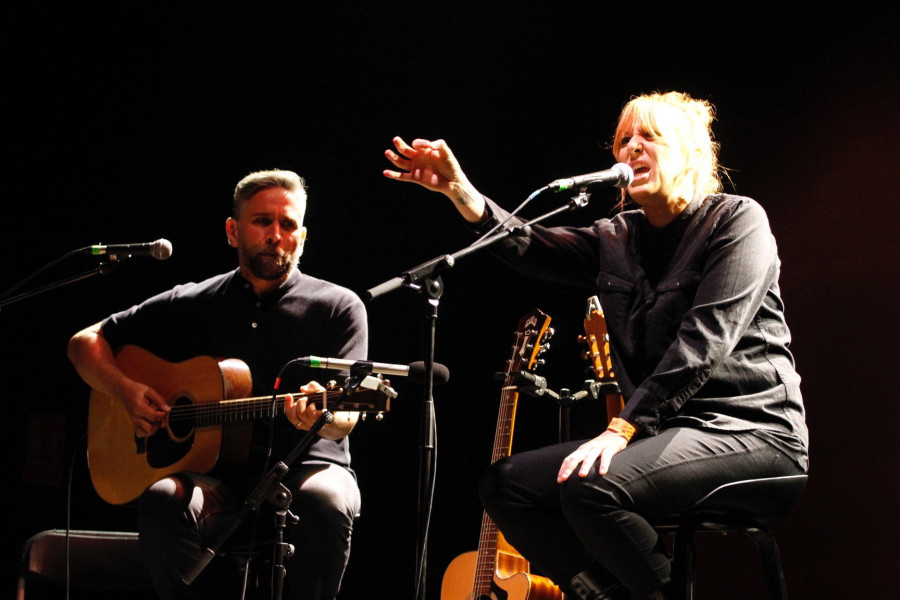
<point x="269" y="488"/>
<point x="426" y="280"/>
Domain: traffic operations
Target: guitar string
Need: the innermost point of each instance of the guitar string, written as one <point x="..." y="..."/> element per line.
<point x="226" y="408"/>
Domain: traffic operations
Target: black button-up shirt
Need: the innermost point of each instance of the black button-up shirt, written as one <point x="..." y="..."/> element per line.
<point x="695" y="318"/>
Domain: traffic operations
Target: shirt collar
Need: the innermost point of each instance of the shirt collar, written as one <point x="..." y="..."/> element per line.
<point x="286" y="286"/>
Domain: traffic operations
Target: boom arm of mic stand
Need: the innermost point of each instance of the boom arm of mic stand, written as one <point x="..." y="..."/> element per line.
<point x="101" y="269"/>
<point x="522" y="230"/>
<point x="430" y="270"/>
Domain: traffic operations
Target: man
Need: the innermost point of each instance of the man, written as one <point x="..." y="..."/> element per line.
<point x="265" y="313"/>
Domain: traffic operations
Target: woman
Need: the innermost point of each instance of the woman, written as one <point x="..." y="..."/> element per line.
<point x="689" y="286"/>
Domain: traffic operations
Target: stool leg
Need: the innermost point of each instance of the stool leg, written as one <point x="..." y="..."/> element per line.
<point x="771" y="561"/>
<point x="683" y="563"/>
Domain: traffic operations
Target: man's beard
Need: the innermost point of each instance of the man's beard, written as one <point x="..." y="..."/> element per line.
<point x="268" y="264"/>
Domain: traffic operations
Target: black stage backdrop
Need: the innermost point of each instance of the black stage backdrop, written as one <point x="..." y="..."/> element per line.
<point x="133" y="123"/>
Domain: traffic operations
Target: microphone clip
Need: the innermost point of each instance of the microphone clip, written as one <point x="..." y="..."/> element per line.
<point x="581" y="199"/>
<point x="359" y="371"/>
<point x="361" y="377"/>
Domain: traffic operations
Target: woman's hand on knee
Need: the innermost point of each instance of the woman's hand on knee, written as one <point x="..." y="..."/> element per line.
<point x="603" y="447"/>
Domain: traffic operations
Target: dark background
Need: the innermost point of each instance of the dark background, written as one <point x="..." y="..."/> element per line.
<point x="134" y="123"/>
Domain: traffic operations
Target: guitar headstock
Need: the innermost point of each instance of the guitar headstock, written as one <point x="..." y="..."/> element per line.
<point x="372" y="395"/>
<point x="596" y="338"/>
<point x="532" y="339"/>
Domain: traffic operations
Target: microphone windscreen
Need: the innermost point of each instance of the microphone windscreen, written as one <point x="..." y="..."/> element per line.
<point x="162" y="249"/>
<point x="440" y="373"/>
<point x="626" y="175"/>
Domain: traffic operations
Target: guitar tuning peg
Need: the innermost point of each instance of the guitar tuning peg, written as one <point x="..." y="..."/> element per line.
<point x="379" y="416"/>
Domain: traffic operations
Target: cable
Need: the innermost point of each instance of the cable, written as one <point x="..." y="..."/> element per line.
<point x="69" y="510"/>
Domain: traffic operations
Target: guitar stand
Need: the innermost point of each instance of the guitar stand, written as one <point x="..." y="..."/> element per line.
<point x="591" y="389"/>
<point x="537" y="387"/>
<point x="272" y="490"/>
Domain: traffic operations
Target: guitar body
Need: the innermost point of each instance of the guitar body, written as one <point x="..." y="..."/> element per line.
<point x="122" y="465"/>
<point x="513" y="584"/>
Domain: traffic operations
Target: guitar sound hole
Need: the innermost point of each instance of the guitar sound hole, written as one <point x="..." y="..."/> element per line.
<point x="181" y="428"/>
<point x="168" y="446"/>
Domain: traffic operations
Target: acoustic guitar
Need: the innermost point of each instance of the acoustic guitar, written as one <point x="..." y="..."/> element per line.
<point x="596" y="337"/>
<point x="208" y="424"/>
<point x="496" y="571"/>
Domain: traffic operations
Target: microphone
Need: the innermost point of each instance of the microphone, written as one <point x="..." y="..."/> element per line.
<point x="161" y="249"/>
<point x="415" y="371"/>
<point x="619" y="175"/>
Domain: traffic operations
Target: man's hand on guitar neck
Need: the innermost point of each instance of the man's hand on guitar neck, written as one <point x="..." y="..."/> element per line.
<point x="303" y="413"/>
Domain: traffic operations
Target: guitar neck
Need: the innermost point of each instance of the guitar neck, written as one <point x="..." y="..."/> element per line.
<point x="528" y="344"/>
<point x="596" y="337"/>
<point x="247" y="409"/>
<point x="506" y="419"/>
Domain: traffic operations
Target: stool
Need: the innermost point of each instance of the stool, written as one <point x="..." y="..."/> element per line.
<point x="93" y="561"/>
<point x="742" y="506"/>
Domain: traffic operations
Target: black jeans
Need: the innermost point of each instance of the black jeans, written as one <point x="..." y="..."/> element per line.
<point x="602" y="521"/>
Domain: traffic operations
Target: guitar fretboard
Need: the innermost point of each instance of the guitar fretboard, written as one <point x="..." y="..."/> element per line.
<point x="245" y="409"/>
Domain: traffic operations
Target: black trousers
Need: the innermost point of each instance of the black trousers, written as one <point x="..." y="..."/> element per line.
<point x="601" y="522"/>
<point x="181" y="514"/>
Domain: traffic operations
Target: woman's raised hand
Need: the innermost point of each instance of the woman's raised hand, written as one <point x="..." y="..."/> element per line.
<point x="432" y="165"/>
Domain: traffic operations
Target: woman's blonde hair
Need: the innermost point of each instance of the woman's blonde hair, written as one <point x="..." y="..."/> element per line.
<point x="687" y="118"/>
